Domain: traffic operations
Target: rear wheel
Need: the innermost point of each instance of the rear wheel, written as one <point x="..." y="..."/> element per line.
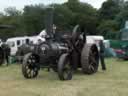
<point x="90" y="59"/>
<point x="65" y="68"/>
<point x="29" y="67"/>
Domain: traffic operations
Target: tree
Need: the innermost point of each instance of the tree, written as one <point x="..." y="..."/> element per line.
<point x="85" y="16"/>
<point x="71" y="1"/>
<point x="109" y="10"/>
<point x="12" y="17"/>
<point x="109" y="25"/>
<point x="33" y="19"/>
<point x="119" y="2"/>
<point x="63" y="17"/>
<point x="123" y="15"/>
<point x="109" y="29"/>
<point x="12" y="11"/>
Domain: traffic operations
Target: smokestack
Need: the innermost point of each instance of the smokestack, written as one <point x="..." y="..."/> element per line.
<point x="49" y="21"/>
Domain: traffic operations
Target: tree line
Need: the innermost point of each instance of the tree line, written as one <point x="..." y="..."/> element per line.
<point x="106" y="21"/>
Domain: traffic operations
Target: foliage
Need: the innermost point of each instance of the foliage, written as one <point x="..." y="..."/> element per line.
<point x="33" y="19"/>
<point x="109" y="29"/>
<point x="12" y="17"/>
<point x="109" y="10"/>
<point x="123" y="15"/>
<point x="106" y="21"/>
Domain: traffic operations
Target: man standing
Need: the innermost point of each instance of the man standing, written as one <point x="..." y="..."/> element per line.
<point x="102" y="49"/>
<point x="6" y="50"/>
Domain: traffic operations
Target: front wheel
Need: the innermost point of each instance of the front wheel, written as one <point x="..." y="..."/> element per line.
<point x="29" y="67"/>
<point x="65" y="69"/>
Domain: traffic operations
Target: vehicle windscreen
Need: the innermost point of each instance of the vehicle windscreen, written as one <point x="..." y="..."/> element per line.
<point x="11" y="44"/>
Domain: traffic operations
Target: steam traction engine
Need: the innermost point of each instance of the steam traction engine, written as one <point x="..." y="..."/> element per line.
<point x="63" y="56"/>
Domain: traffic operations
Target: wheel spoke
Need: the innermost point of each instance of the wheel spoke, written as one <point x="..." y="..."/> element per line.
<point x="29" y="61"/>
<point x="29" y="73"/>
<point x="34" y="72"/>
<point x="26" y="67"/>
<point x="66" y="73"/>
<point x="93" y="60"/>
<point x="91" y="67"/>
<point x="35" y="69"/>
<point x="92" y="57"/>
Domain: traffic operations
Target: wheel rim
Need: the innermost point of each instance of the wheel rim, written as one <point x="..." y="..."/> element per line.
<point x="30" y="67"/>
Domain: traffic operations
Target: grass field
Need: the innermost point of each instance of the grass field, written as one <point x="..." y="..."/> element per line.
<point x="113" y="82"/>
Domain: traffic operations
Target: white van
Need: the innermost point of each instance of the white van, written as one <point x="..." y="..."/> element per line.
<point x="16" y="42"/>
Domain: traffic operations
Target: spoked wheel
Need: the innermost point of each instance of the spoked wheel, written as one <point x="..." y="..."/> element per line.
<point x="65" y="69"/>
<point x="1" y="56"/>
<point x="29" y="67"/>
<point x="90" y="59"/>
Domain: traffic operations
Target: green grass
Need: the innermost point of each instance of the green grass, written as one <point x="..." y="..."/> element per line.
<point x="113" y="82"/>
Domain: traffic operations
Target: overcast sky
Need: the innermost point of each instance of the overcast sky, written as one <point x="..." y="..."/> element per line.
<point x="19" y="4"/>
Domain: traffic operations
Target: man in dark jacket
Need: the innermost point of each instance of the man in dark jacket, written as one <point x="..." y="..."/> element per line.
<point x="102" y="49"/>
<point x="6" y="50"/>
